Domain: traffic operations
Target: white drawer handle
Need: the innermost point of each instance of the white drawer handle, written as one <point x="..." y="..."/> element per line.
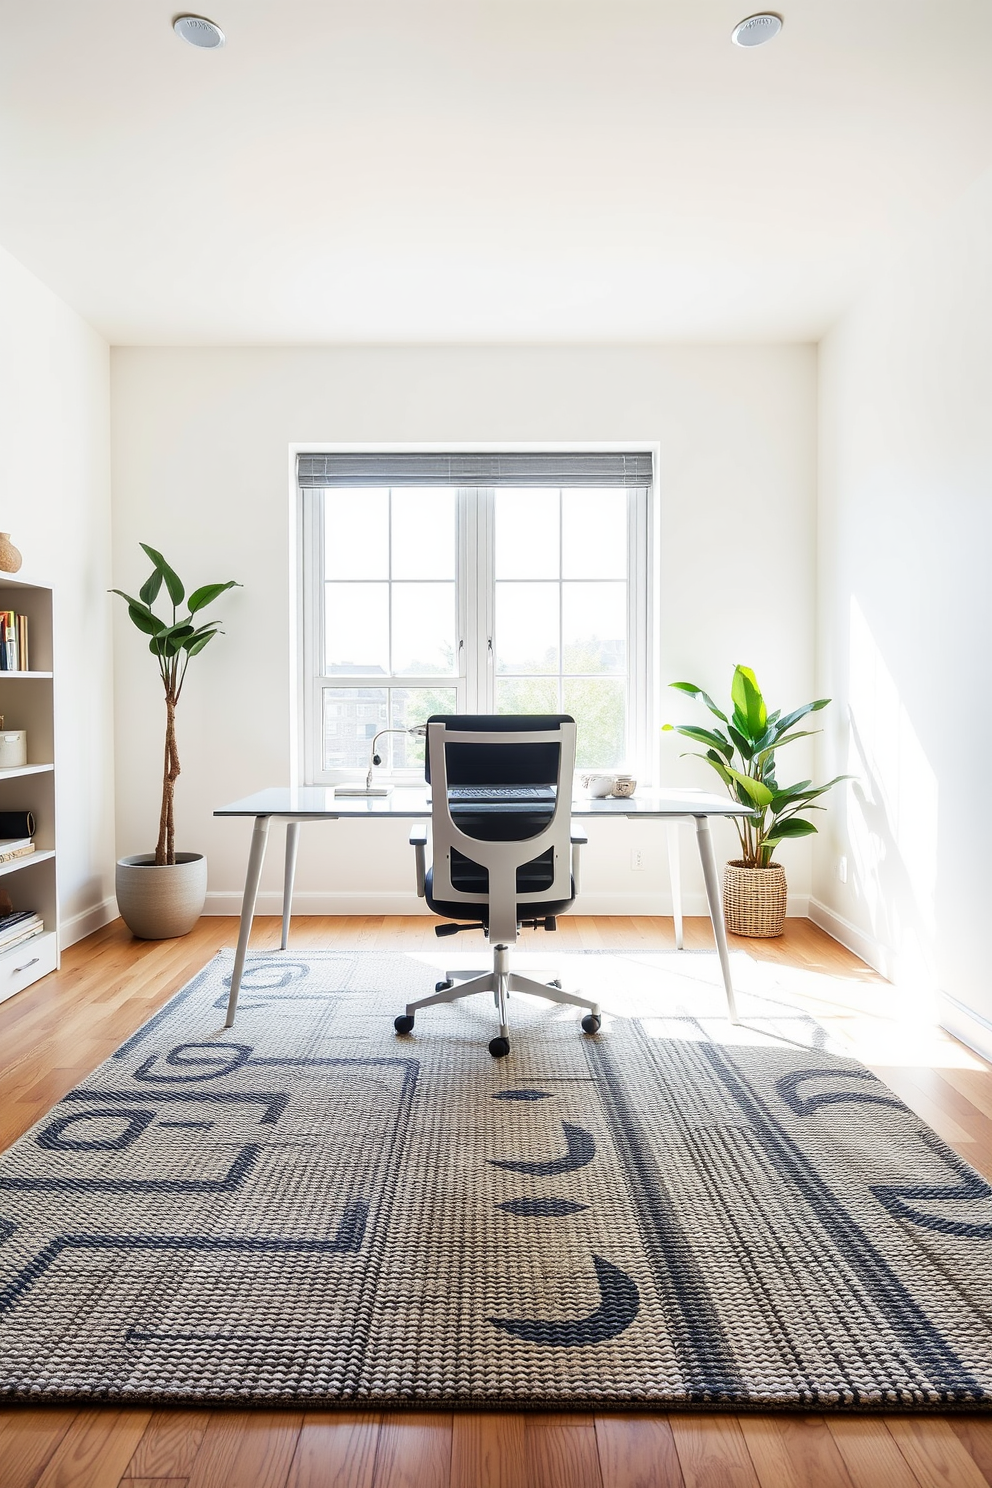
<point x="32" y="962"/>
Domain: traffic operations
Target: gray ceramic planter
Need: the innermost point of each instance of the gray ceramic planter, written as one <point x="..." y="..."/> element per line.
<point x="161" y="902"/>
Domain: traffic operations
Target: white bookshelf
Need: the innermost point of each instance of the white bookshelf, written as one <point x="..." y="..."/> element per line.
<point x="27" y="702"/>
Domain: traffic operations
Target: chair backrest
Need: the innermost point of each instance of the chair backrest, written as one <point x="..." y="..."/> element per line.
<point x="501" y="750"/>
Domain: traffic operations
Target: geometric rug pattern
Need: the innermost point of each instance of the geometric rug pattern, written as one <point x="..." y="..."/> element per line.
<point x="307" y="1209"/>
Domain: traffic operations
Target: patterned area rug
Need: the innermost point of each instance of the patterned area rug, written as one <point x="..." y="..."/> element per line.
<point x="307" y="1208"/>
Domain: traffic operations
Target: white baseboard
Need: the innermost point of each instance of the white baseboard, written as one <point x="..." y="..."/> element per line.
<point x="78" y="926"/>
<point x="877" y="956"/>
<point x="965" y="1024"/>
<point x="365" y="902"/>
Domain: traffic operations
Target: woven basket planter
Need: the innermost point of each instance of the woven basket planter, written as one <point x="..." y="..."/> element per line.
<point x="754" y="900"/>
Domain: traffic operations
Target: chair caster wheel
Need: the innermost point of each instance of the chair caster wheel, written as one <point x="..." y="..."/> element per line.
<point x="443" y="986"/>
<point x="499" y="1047"/>
<point x="591" y="1023"/>
<point x="555" y="983"/>
<point x="403" y="1024"/>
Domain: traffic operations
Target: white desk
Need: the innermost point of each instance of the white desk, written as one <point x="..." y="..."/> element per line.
<point x="307" y="803"/>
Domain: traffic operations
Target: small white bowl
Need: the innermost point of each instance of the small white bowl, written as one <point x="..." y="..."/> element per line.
<point x="598" y="786"/>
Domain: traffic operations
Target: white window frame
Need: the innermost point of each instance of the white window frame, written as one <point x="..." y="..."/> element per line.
<point x="474" y="685"/>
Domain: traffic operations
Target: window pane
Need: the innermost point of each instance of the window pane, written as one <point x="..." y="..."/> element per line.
<point x="527" y="695"/>
<point x="526" y="638"/>
<point x="598" y="705"/>
<point x="413" y="705"/>
<point x="356" y="628"/>
<point x="594" y="627"/>
<point x="423" y="629"/>
<point x="356" y="534"/>
<point x="594" y="535"/>
<point x="526" y="534"/>
<point x="423" y="534"/>
<point x="352" y="718"/>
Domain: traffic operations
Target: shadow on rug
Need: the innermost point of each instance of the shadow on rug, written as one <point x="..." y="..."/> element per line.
<point x="306" y="1208"/>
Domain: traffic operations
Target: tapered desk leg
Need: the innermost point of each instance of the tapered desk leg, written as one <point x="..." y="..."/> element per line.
<point x="255" y="859"/>
<point x="292" y="843"/>
<point x="675" y="877"/>
<point x="715" y="901"/>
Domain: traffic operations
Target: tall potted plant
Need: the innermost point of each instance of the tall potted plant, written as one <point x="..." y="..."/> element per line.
<point x="161" y="894"/>
<point x="743" y="755"/>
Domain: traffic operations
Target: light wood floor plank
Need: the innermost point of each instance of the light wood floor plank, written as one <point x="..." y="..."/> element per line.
<point x="870" y="1452"/>
<point x="246" y="1449"/>
<point x="935" y="1452"/>
<point x="637" y="1452"/>
<point x="712" y="1451"/>
<point x="975" y="1435"/>
<point x="29" y="1435"/>
<point x="563" y="1452"/>
<point x="95" y="1450"/>
<point x="489" y="1450"/>
<point x="335" y="1450"/>
<point x="414" y="1450"/>
<point x="794" y="1452"/>
<point x="169" y="1444"/>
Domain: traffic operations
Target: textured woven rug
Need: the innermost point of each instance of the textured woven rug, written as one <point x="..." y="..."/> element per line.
<point x="306" y="1208"/>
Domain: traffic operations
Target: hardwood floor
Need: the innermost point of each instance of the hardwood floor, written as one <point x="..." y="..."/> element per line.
<point x="55" y="1033"/>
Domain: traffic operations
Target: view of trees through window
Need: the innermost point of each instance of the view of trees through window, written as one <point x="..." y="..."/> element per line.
<point x="417" y="620"/>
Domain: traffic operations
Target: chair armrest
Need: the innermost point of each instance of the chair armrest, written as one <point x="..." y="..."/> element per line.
<point x="418" y="841"/>
<point x="579" y="840"/>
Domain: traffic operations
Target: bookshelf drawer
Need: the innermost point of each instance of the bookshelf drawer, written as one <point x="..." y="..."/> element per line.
<point x="27" y="962"/>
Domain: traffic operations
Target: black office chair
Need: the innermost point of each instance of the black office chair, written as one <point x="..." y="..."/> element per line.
<point x="504" y="854"/>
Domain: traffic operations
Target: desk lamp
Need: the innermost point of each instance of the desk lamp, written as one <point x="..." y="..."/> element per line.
<point x="418" y="731"/>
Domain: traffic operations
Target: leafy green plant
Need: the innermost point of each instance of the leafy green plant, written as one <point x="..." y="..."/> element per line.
<point x="743" y="755"/>
<point x="173" y="643"/>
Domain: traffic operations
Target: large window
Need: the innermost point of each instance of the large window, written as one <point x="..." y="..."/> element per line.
<point x="421" y="599"/>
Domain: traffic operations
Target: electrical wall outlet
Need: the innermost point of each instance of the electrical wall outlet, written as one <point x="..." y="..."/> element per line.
<point x="842" y="869"/>
<point x="636" y="860"/>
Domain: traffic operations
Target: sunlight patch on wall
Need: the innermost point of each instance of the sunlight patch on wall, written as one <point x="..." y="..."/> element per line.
<point x="893" y="817"/>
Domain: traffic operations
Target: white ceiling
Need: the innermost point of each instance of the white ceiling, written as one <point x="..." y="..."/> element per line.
<point x="479" y="170"/>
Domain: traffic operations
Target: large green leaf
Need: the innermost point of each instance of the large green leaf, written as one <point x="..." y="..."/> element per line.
<point x="756" y="792"/>
<point x="743" y="743"/>
<point x="705" y="736"/>
<point x="794" y="827"/>
<point x="151" y="586"/>
<point x="147" y="624"/>
<point x="173" y="582"/>
<point x="784" y="724"/>
<point x="694" y="691"/>
<point x="195" y="643"/>
<point x="751" y="715"/>
<point x="140" y="614"/>
<point x="789" y="794"/>
<point x="208" y="593"/>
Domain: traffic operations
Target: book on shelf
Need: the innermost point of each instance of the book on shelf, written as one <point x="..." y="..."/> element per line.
<point x="11" y="844"/>
<point x="25" y="926"/>
<point x="14" y="655"/>
<point x="23" y="851"/>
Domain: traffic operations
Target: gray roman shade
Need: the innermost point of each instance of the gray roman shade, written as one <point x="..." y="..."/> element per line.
<point x="515" y="469"/>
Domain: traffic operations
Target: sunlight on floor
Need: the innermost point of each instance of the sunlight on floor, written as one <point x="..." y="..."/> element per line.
<point x="865" y="1017"/>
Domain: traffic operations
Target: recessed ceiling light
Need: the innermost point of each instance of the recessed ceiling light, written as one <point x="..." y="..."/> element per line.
<point x="198" y="31"/>
<point x="756" y="29"/>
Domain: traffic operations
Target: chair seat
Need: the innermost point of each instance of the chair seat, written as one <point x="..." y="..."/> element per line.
<point x="452" y="909"/>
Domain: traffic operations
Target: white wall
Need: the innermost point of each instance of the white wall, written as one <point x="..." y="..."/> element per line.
<point x="201" y="470"/>
<point x="905" y="611"/>
<point x="55" y="501"/>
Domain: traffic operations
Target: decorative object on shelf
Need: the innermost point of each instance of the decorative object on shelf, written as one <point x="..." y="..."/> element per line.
<point x="16" y="823"/>
<point x="13" y="748"/>
<point x="416" y="731"/>
<point x="597" y="785"/>
<point x="10" y="558"/>
<point x="160" y="895"/>
<point x="743" y="755"/>
<point x="624" y="785"/>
